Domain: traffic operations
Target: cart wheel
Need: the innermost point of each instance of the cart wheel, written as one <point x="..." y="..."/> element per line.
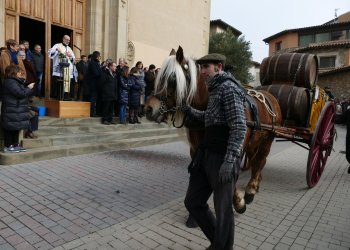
<point x="321" y="144"/>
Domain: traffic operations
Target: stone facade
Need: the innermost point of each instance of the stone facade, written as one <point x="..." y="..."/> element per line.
<point x="137" y="30"/>
<point x="339" y="83"/>
<point x="147" y="30"/>
<point x="106" y="28"/>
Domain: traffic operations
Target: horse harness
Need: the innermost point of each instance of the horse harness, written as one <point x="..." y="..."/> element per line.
<point x="164" y="110"/>
<point x="251" y="96"/>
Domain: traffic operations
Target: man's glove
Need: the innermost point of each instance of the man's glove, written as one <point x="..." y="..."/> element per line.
<point x="226" y="172"/>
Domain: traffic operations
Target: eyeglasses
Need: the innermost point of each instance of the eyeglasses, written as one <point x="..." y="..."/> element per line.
<point x="21" y="48"/>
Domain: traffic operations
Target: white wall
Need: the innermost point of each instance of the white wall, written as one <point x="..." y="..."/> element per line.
<point x="155" y="27"/>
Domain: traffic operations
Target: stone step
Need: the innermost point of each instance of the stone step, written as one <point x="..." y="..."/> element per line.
<point x="59" y="137"/>
<point x="96" y="137"/>
<point x="48" y="130"/>
<point x="54" y="121"/>
<point x="45" y="153"/>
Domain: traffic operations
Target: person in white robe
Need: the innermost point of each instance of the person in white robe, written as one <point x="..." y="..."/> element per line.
<point x="57" y="53"/>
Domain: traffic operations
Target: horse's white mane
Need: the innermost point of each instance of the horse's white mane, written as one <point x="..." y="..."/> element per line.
<point x="183" y="92"/>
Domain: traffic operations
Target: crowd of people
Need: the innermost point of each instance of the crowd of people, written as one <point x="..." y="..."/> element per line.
<point x="112" y="89"/>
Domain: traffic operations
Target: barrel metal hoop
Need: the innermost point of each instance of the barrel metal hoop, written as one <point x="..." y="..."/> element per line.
<point x="268" y="69"/>
<point x="296" y="76"/>
<point x="288" y="103"/>
<point x="290" y="65"/>
<point x="275" y="67"/>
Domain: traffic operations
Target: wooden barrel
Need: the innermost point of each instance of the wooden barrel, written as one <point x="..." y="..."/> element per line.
<point x="298" y="69"/>
<point x="294" y="102"/>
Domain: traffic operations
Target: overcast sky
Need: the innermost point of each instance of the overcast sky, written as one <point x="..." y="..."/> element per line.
<point x="258" y="19"/>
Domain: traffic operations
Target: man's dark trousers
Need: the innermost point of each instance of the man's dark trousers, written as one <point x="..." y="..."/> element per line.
<point x="203" y="181"/>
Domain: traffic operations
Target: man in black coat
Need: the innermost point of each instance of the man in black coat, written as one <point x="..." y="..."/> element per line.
<point x="109" y="92"/>
<point x="92" y="78"/>
<point x="150" y="77"/>
<point x="38" y="60"/>
<point x="82" y="68"/>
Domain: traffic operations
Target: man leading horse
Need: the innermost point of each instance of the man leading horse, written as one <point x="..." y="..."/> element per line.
<point x="215" y="165"/>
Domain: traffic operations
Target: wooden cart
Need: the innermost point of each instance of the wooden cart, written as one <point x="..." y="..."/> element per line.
<point x="318" y="135"/>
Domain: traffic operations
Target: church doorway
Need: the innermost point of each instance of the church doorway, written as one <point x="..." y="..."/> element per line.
<point x="34" y="32"/>
<point x="57" y="34"/>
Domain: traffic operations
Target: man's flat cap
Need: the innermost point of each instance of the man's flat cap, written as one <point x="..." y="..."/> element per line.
<point x="212" y="58"/>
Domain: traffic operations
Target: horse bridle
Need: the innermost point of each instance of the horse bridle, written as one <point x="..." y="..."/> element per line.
<point x="164" y="110"/>
<point x="163" y="100"/>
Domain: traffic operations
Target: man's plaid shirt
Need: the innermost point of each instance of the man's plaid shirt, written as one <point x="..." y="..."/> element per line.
<point x="225" y="107"/>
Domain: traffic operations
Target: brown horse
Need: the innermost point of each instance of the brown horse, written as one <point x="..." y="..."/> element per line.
<point x="179" y="82"/>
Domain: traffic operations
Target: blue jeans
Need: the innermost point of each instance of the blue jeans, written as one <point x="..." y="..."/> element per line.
<point x="39" y="75"/>
<point x="122" y="113"/>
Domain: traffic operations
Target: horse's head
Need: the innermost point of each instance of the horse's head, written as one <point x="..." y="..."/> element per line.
<point x="175" y="85"/>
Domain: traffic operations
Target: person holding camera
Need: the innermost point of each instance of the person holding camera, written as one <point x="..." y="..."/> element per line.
<point x="15" y="114"/>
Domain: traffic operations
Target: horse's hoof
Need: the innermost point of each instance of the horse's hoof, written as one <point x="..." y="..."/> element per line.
<point x="191" y="223"/>
<point x="248" y="198"/>
<point x="241" y="210"/>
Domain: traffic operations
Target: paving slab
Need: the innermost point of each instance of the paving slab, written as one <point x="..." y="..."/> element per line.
<point x="133" y="199"/>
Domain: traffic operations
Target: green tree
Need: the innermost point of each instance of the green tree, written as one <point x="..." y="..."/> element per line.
<point x="237" y="52"/>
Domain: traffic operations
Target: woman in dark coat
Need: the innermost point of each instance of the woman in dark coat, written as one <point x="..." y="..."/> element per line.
<point x="109" y="92"/>
<point x="123" y="94"/>
<point x="15" y="113"/>
<point x="136" y="86"/>
<point x="92" y="78"/>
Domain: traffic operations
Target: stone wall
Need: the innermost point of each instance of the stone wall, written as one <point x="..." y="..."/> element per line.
<point x="339" y="83"/>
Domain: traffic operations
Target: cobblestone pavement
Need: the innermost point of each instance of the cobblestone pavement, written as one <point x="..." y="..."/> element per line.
<point x="133" y="199"/>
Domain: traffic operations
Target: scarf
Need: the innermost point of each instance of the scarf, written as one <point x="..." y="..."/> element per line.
<point x="216" y="81"/>
<point x="14" y="57"/>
